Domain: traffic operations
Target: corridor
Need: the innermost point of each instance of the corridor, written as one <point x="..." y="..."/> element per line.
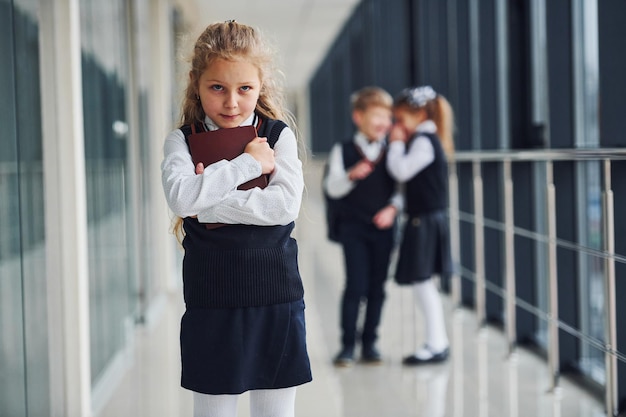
<point x="479" y="380"/>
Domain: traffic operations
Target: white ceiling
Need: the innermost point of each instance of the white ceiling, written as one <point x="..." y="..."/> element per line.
<point x="302" y="30"/>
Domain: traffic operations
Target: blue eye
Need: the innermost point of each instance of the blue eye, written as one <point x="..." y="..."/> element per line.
<point x="217" y="87"/>
<point x="246" y="88"/>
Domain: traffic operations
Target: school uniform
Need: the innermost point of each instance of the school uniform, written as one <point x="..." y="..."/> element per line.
<point x="421" y="164"/>
<point x="243" y="327"/>
<point x="366" y="248"/>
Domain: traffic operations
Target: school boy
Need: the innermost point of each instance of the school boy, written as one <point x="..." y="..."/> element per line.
<point x="365" y="202"/>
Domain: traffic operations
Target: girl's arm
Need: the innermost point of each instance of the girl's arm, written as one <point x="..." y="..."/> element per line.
<point x="404" y="166"/>
<point x="276" y="204"/>
<point x="187" y="193"/>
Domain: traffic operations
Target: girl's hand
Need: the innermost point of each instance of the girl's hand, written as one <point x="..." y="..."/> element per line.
<point x="260" y="150"/>
<point x="385" y="217"/>
<point x="398" y="133"/>
<point x="361" y="170"/>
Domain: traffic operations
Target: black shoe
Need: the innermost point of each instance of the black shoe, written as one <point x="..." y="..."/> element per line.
<point x="371" y="356"/>
<point x="344" y="358"/>
<point x="435" y="357"/>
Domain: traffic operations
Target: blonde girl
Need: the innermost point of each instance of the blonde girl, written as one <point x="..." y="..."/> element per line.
<point x="243" y="328"/>
<point x="420" y="140"/>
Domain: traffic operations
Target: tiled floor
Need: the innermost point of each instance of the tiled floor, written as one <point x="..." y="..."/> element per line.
<point x="480" y="379"/>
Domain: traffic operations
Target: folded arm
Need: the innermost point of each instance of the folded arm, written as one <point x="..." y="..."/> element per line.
<point x="213" y="195"/>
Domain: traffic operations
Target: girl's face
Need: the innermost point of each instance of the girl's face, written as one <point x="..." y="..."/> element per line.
<point x="229" y="91"/>
<point x="409" y="120"/>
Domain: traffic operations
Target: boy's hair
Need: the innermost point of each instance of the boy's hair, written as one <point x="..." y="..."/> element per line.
<point x="231" y="40"/>
<point x="370" y="96"/>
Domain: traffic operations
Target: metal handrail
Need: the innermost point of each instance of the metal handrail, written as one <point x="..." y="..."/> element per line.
<point x="547" y="157"/>
<point x="540" y="155"/>
<point x="539" y="237"/>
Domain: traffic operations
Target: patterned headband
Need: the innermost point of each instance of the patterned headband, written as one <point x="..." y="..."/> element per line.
<point x="418" y="96"/>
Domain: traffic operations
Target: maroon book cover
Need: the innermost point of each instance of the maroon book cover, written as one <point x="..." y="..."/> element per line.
<point x="211" y="146"/>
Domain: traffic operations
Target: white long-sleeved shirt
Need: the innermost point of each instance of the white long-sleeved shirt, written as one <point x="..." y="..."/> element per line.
<point x="338" y="184"/>
<point x="213" y="195"/>
<point x="405" y="165"/>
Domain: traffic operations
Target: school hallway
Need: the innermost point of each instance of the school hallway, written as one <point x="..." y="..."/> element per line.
<point x="480" y="379"/>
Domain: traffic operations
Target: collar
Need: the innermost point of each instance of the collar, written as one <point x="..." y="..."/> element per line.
<point x="427" y="126"/>
<point x="371" y="149"/>
<point x="210" y="125"/>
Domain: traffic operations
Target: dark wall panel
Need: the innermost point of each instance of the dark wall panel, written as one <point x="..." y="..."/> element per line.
<point x="612" y="41"/>
<point x="559" y="40"/>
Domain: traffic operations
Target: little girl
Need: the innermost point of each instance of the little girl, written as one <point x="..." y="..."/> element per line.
<point x="420" y="140"/>
<point x="243" y="328"/>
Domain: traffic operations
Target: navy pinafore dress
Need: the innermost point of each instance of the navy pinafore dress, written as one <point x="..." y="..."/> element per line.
<point x="243" y="328"/>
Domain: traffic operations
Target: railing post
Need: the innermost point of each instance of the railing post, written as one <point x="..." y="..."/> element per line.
<point x="479" y="245"/>
<point x="553" y="307"/>
<point x="609" y="287"/>
<point x="455" y="235"/>
<point x="509" y="256"/>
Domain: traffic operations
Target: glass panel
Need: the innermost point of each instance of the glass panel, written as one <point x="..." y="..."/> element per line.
<point x="104" y="67"/>
<point x="12" y="352"/>
<point x="587" y="135"/>
<point x="31" y="204"/>
<point x="24" y="381"/>
<point x="586" y="68"/>
<point x="591" y="268"/>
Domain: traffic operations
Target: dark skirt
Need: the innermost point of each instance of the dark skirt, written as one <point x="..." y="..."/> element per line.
<point x="230" y="351"/>
<point x="425" y="249"/>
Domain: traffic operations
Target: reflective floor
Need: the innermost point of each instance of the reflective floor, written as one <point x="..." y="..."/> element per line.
<point x="480" y="379"/>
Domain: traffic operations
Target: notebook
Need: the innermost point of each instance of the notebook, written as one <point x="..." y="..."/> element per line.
<point x="211" y="146"/>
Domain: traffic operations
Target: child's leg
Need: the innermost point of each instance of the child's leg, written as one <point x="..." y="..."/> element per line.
<point x="355" y="255"/>
<point x="428" y="298"/>
<point x="205" y="405"/>
<point x="379" y="255"/>
<point x="273" y="402"/>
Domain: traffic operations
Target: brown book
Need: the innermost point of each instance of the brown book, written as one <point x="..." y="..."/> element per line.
<point x="211" y="146"/>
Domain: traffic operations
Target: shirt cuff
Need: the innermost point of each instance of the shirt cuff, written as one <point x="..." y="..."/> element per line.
<point x="248" y="166"/>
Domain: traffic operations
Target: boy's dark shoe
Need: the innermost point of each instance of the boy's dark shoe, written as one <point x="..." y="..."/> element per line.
<point x="371" y="356"/>
<point x="344" y="358"/>
<point x="429" y="357"/>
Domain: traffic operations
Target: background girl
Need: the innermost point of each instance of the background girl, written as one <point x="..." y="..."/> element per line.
<point x="420" y="140"/>
<point x="243" y="328"/>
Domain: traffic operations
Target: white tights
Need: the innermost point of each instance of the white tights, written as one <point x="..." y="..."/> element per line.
<point x="428" y="299"/>
<point x="263" y="403"/>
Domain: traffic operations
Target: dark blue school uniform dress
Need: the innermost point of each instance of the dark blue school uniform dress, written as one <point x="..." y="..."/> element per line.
<point x="243" y="328"/>
<point x="425" y="247"/>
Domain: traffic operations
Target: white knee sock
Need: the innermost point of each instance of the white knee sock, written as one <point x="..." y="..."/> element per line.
<point x="428" y="298"/>
<point x="273" y="402"/>
<point x="205" y="405"/>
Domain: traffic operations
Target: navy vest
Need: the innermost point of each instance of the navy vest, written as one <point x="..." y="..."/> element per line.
<point x="241" y="265"/>
<point x="369" y="194"/>
<point x="428" y="190"/>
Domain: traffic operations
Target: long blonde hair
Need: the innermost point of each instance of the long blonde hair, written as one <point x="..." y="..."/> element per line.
<point x="231" y="40"/>
<point x="437" y="109"/>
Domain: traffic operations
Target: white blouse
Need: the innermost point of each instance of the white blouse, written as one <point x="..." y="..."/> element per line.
<point x="338" y="184"/>
<point x="213" y="195"/>
<point x="405" y="165"/>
